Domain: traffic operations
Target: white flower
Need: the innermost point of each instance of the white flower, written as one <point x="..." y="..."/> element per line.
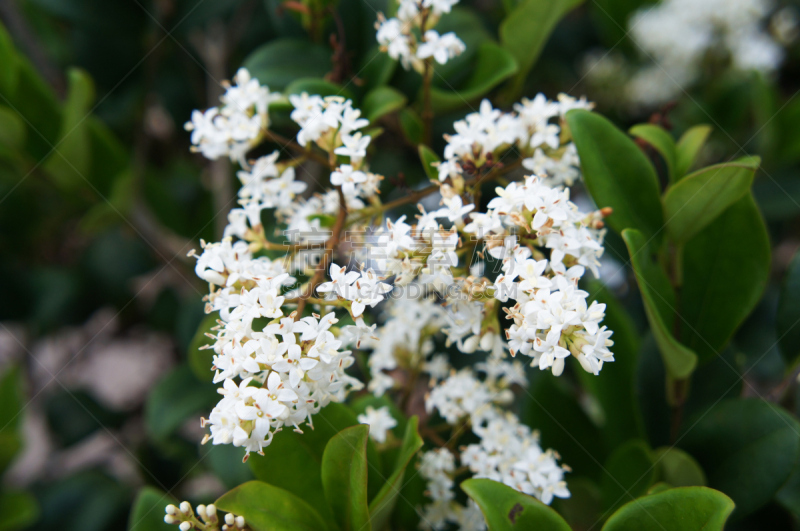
<point x="440" y="47"/>
<point x="355" y="147"/>
<point x="380" y="421"/>
<point x="346" y="177"/>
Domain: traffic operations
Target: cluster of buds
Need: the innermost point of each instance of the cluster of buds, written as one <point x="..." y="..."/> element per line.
<point x="205" y="519"/>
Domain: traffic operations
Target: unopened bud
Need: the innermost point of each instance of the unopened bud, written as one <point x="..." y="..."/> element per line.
<point x="168" y="518"/>
<point x="211" y="511"/>
<point x="229" y="519"/>
<point x="240" y="522"/>
<point x="201" y="511"/>
<point x="185" y="526"/>
<point x="171" y="509"/>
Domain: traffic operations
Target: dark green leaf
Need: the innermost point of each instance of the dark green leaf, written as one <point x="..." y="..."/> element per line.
<point x="412" y="125"/>
<point x="725" y="270"/>
<point x="317" y="86"/>
<point x="698" y="199"/>
<point x="147" y="513"/>
<point x="617" y="173"/>
<point x="525" y="31"/>
<point x="201" y="359"/>
<point x="18" y="510"/>
<point x="680" y="509"/>
<point x="492" y="65"/>
<point x="381" y="507"/>
<point x="381" y="101"/>
<point x="789" y="313"/>
<point x="10" y="415"/>
<point x="344" y="477"/>
<point x="678" y="468"/>
<point x="8" y="58"/>
<point x="174" y="400"/>
<point x="506" y="509"/>
<point x="688" y="148"/>
<point x="662" y="141"/>
<point x="659" y="304"/>
<point x="747" y="447"/>
<point x="12" y="129"/>
<point x="428" y="158"/>
<point x="282" y="61"/>
<point x="629" y="472"/>
<point x="268" y="508"/>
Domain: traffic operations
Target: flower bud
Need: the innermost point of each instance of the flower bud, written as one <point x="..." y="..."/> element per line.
<point x="229" y="519"/>
<point x="186" y="508"/>
<point x="168" y="518"/>
<point x="185" y="526"/>
<point x="171" y="509"/>
<point x="240" y="522"/>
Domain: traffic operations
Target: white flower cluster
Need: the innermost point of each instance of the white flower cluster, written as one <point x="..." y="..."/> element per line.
<point x="232" y="129"/>
<point x="397" y="35"/>
<point x="678" y="36"/>
<point x="380" y="421"/>
<point x="206" y="518"/>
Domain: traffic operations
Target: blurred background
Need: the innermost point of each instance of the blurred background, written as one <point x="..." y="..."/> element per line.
<point x="101" y="199"/>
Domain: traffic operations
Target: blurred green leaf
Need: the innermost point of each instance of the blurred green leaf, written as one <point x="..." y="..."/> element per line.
<point x="628" y="473"/>
<point x="317" y="86"/>
<point x="85" y="501"/>
<point x="748" y="449"/>
<point x="282" y="61"/>
<point x="147" y="513"/>
<point x="428" y="158"/>
<point x="492" y="65"/>
<point x="18" y="510"/>
<point x="9" y="72"/>
<point x="680" y="509"/>
<point x="37" y="106"/>
<point x="617" y="173"/>
<point x="174" y="399"/>
<point x="376" y="69"/>
<point x="725" y="269"/>
<point x="10" y="415"/>
<point x="525" y="30"/>
<point x="344" y="477"/>
<point x="789" y="313"/>
<point x="689" y="146"/>
<point x="697" y="200"/>
<point x="381" y="101"/>
<point x="268" y="508"/>
<point x="381" y="507"/>
<point x="201" y="359"/>
<point x="659" y="304"/>
<point x="12" y="129"/>
<point x="678" y="468"/>
<point x="411" y="124"/>
<point x="506" y="509"/>
<point x="662" y="141"/>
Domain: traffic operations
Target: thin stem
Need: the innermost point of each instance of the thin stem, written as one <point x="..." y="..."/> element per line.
<point x="294" y="146"/>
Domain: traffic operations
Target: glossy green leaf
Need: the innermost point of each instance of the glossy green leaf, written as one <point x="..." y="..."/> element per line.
<point x="492" y="66"/>
<point x="147" y="513"/>
<point x="506" y="509"/>
<point x="525" y="31"/>
<point x="381" y="507"/>
<point x="174" y="399"/>
<point x="659" y="304"/>
<point x="678" y="468"/>
<point x="278" y="62"/>
<point x="628" y="474"/>
<point x="680" y="509"/>
<point x="381" y="101"/>
<point x="748" y="449"/>
<point x="788" y="322"/>
<point x="698" y="199"/>
<point x="725" y="270"/>
<point x="70" y="162"/>
<point x="201" y="359"/>
<point x="688" y="148"/>
<point x="662" y="141"/>
<point x="268" y="508"/>
<point x="317" y="86"/>
<point x="344" y="477"/>
<point x="617" y="173"/>
<point x="428" y="158"/>
<point x="615" y="390"/>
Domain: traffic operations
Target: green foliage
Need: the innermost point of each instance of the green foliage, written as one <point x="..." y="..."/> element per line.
<point x="18" y="510"/>
<point x="428" y="159"/>
<point x="628" y="474"/>
<point x="506" y="509"/>
<point x="176" y="397"/>
<point x="201" y="359"/>
<point x="689" y="147"/>
<point x="381" y="101"/>
<point x="680" y="509"/>
<point x="789" y="313"/>
<point x="276" y="63"/>
<point x="269" y="508"/>
<point x="344" y="477"/>
<point x="662" y="142"/>
<point x="148" y="511"/>
<point x="677" y="468"/>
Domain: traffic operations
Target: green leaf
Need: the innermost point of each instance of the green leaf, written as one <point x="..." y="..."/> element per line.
<point x="506" y="509"/>
<point x="725" y="269"/>
<point x="615" y="388"/>
<point x="18" y="510"/>
<point x="8" y="58"/>
<point x="376" y="68"/>
<point x="381" y="101"/>
<point x="381" y="507"/>
<point x="281" y="61"/>
<point x="678" y="468"/>
<point x="789" y="313"/>
<point x="699" y="198"/>
<point x="201" y="359"/>
<point x="680" y="509"/>
<point x="70" y="162"/>
<point x="10" y="415"/>
<point x="173" y="401"/>
<point x="147" y="513"/>
<point x="617" y="173"/>
<point x="662" y="141"/>
<point x="12" y="129"/>
<point x="492" y="65"/>
<point x="659" y="305"/>
<point x="412" y="125"/>
<point x="688" y="148"/>
<point x="317" y="86"/>
<point x="268" y="508"/>
<point x="748" y="449"/>
<point x="344" y="477"/>
<point x="629" y="472"/>
<point x="428" y="158"/>
<point x="525" y="30"/>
